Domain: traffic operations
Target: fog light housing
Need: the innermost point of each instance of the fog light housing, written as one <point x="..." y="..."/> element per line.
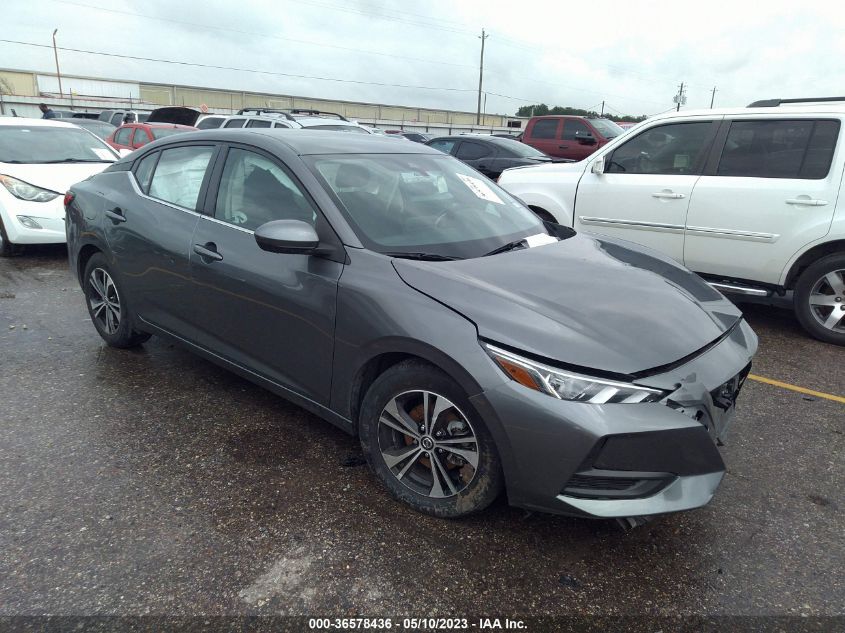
<point x="29" y="222"/>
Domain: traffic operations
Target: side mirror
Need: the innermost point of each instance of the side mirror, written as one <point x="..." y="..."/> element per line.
<point x="598" y="166"/>
<point x="287" y="236"/>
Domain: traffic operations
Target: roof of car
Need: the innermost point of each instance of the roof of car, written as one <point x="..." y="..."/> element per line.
<point x="809" y="108"/>
<point x="19" y="120"/>
<point x="304" y="142"/>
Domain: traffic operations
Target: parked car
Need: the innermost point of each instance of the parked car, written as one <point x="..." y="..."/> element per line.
<point x="181" y="115"/>
<point x="39" y="161"/>
<point x="573" y="137"/>
<point x="488" y="154"/>
<point x="119" y="117"/>
<point x="297" y="118"/>
<point x="750" y="198"/>
<point x="391" y="290"/>
<point x="134" y="135"/>
<point x="102" y="129"/>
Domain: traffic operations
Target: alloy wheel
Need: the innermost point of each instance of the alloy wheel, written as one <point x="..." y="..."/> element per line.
<point x="827" y="301"/>
<point x="428" y="444"/>
<point x="104" y="301"/>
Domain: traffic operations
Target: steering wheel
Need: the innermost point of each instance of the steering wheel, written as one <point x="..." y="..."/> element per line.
<point x="448" y="212"/>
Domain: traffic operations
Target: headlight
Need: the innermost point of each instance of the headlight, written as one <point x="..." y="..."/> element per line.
<point x="567" y="385"/>
<point x="26" y="191"/>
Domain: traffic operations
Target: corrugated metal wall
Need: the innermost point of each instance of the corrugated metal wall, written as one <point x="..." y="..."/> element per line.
<point x="89" y="87"/>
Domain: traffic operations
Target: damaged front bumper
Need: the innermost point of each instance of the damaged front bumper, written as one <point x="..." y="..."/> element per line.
<point x="623" y="460"/>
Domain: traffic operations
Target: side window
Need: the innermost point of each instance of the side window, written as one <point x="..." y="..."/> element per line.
<point x="544" y="128"/>
<point x="779" y="149"/>
<point x="284" y="125"/>
<point x="144" y="171"/>
<point x="575" y="130"/>
<point x="179" y="174"/>
<point x="209" y="123"/>
<point x="444" y="146"/>
<point x="677" y="148"/>
<point x="472" y="151"/>
<point x="140" y="137"/>
<point x="235" y="123"/>
<point x="122" y="136"/>
<point x="255" y="190"/>
<point x="117" y="119"/>
<point x="259" y="123"/>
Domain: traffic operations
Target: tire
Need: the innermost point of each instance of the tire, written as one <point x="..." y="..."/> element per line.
<point x="112" y="317"/>
<point x="820" y="297"/>
<point x="391" y="412"/>
<point x="7" y="249"/>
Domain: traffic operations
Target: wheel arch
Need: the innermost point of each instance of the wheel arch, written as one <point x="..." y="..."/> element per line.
<point x="389" y="354"/>
<point x="810" y="256"/>
<point x="86" y="252"/>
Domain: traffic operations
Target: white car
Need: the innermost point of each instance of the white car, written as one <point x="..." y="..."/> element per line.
<point x="295" y="118"/>
<point x="39" y="161"/>
<point x="749" y="198"/>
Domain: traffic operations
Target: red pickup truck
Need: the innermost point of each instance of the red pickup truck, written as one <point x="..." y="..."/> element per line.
<point x="573" y="137"/>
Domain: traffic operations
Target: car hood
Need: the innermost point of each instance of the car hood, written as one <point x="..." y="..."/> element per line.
<point x="56" y="177"/>
<point x="591" y="302"/>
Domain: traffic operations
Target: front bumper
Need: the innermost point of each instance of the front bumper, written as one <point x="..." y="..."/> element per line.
<point x="621" y="460"/>
<point x="49" y="215"/>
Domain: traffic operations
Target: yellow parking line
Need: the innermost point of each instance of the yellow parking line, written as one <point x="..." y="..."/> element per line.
<point x="786" y="385"/>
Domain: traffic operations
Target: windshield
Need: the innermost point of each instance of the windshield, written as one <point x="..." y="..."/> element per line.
<point x="339" y="128"/>
<point x="161" y="132"/>
<point x="48" y="144"/>
<point x="519" y="149"/>
<point x="606" y="127"/>
<point x="420" y="203"/>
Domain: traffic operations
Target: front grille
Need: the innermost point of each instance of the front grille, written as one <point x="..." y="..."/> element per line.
<point x="601" y="483"/>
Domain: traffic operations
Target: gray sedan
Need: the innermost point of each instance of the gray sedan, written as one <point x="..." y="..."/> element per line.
<point x="402" y="296"/>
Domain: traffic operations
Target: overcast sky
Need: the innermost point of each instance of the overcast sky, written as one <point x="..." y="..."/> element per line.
<point x="631" y="54"/>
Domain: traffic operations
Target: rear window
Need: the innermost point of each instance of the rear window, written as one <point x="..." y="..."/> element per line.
<point x="779" y="149"/>
<point x="544" y="128"/>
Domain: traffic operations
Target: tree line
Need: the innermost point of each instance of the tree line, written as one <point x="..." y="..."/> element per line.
<point x="541" y="109"/>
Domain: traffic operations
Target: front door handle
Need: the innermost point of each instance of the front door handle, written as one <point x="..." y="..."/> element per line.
<point x="115" y="215"/>
<point x="208" y="252"/>
<point x="806" y="202"/>
<point x="667" y="195"/>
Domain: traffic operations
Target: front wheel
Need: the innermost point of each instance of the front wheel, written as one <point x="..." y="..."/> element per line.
<point x="820" y="299"/>
<point x="423" y="439"/>
<point x="7" y="249"/>
<point x="107" y="306"/>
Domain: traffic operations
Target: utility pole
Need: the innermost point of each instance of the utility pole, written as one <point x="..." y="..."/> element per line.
<point x="602" y="109"/>
<point x="484" y="36"/>
<point x="680" y="98"/>
<point x="712" y="97"/>
<point x="56" y="55"/>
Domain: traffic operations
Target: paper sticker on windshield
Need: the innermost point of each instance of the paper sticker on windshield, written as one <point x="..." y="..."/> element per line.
<point x="102" y="153"/>
<point x="480" y="189"/>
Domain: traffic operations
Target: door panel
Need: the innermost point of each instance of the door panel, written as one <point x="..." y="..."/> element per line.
<point x="644" y="194"/>
<point x="749" y="217"/>
<point x="575" y="142"/>
<point x="272" y="313"/>
<point x="544" y="135"/>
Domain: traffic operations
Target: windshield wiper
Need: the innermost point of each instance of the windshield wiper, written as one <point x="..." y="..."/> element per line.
<point x="507" y="247"/>
<point x="432" y="257"/>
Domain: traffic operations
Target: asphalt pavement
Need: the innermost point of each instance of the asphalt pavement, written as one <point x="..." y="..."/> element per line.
<point x="153" y="482"/>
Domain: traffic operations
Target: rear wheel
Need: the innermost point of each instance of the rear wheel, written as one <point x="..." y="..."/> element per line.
<point x="820" y="299"/>
<point x="426" y="443"/>
<point x="107" y="306"/>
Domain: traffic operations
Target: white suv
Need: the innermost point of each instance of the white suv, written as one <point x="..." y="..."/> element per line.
<point x="298" y="119"/>
<point x="749" y="198"/>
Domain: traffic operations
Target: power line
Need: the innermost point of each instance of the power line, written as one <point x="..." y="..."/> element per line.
<point x="244" y="70"/>
<point x="258" y="34"/>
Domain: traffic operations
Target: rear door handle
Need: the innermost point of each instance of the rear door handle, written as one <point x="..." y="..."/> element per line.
<point x="116" y="215"/>
<point x="208" y="252"/>
<point x="667" y="195"/>
<point x="806" y="202"/>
